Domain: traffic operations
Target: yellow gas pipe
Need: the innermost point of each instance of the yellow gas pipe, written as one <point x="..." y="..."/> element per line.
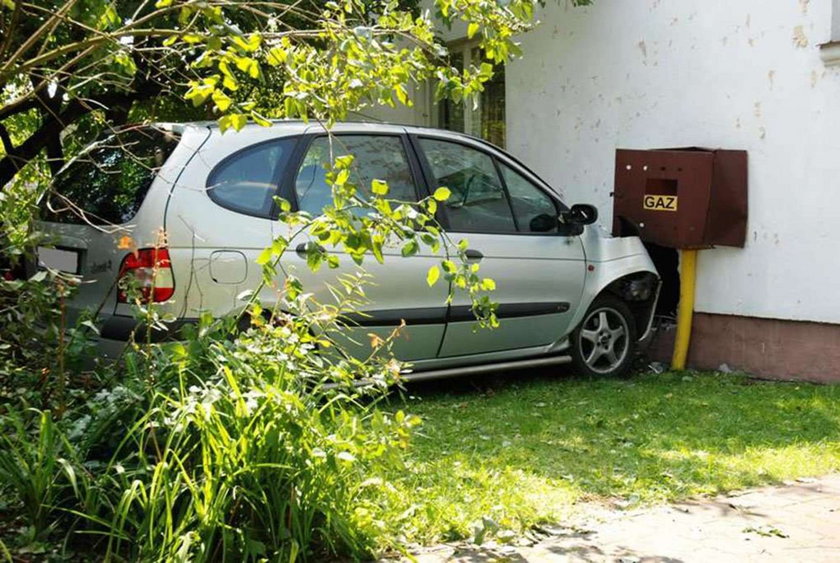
<point x="688" y="276"/>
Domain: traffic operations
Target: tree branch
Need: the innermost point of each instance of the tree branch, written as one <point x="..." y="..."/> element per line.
<point x="54" y="124"/>
<point x="8" y="146"/>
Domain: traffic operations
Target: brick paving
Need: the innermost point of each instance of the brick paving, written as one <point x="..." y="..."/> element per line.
<point x="799" y="521"/>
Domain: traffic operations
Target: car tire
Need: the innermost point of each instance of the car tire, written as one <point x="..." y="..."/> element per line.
<point x="604" y="344"/>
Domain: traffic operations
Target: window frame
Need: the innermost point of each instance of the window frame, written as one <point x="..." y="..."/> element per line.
<point x="466" y="49"/>
<point x="289" y="191"/>
<point x="279" y="177"/>
<point x="497" y="156"/>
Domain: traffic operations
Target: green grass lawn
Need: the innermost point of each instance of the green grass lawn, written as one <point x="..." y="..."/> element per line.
<point x="531" y="446"/>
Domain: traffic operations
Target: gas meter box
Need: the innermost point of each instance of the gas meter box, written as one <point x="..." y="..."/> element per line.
<point x="681" y="198"/>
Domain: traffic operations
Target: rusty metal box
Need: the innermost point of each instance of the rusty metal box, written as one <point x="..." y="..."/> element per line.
<point x="682" y="198"/>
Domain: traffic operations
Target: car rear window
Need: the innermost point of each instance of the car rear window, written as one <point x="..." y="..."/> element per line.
<point x="108" y="182"/>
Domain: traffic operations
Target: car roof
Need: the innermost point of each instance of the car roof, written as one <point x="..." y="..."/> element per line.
<point x="340" y="126"/>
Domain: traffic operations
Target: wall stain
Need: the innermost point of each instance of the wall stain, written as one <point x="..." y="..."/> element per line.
<point x="800" y="40"/>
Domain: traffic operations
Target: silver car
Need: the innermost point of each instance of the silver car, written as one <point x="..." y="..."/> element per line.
<point x="567" y="291"/>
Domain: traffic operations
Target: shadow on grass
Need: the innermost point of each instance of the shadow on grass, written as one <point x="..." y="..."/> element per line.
<point x="528" y="440"/>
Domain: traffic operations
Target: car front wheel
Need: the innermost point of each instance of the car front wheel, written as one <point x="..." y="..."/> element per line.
<point x="604" y="344"/>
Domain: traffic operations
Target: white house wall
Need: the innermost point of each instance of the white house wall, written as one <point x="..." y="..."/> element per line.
<point x="713" y="73"/>
<point x="739" y="74"/>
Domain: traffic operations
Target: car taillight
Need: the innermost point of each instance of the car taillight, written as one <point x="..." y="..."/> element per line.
<point x="150" y="271"/>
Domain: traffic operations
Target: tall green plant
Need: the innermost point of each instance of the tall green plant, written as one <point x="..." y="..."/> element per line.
<point x="38" y="466"/>
<point x="277" y="452"/>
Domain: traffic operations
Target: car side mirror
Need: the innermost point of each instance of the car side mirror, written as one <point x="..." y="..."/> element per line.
<point x="580" y="214"/>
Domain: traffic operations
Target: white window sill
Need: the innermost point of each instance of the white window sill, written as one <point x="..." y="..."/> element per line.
<point x="830" y="53"/>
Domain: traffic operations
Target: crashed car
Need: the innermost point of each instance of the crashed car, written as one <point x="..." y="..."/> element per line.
<point x="566" y="290"/>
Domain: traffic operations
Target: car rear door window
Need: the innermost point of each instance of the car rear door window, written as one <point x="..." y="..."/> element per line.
<point x="478" y="202"/>
<point x="375" y="157"/>
<point x="532" y="207"/>
<point x="107" y="183"/>
<point x="247" y="181"/>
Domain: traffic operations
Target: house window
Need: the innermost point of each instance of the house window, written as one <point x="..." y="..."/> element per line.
<point x="486" y="119"/>
<point x="830" y="52"/>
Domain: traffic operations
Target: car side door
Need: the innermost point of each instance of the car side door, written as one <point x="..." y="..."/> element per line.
<point x="396" y="290"/>
<point x="510" y="223"/>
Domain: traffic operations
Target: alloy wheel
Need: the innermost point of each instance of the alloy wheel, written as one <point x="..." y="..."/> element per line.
<point x="604" y="342"/>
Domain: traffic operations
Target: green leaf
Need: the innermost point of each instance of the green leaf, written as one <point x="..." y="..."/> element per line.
<point x="108" y="17"/>
<point x="314" y="257"/>
<point x="472" y="29"/>
<point x="442" y="194"/>
<point x="249" y="45"/>
<point x="199" y="93"/>
<point x="376" y="249"/>
<point x="379" y="187"/>
<point x="344" y="161"/>
<point x="260" y="120"/>
<point x="342" y="177"/>
<point x="235" y="120"/>
<point x="402" y="95"/>
<point x="221" y="100"/>
<point x="432" y="275"/>
<point x="276" y="56"/>
<point x="264" y="257"/>
<point x="163" y="3"/>
<point x="410" y="248"/>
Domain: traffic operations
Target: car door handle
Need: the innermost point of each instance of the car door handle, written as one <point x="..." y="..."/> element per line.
<point x="473" y="255"/>
<point x="300" y="249"/>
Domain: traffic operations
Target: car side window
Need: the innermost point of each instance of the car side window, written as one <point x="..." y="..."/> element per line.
<point x="375" y="157"/>
<point x="534" y="210"/>
<point x="478" y="202"/>
<point x="247" y="181"/>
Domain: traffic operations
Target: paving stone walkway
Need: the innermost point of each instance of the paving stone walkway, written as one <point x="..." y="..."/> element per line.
<point x="799" y="521"/>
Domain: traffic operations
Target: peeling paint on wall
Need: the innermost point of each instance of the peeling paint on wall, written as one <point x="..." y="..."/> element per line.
<point x="800" y="40"/>
<point x="771" y="76"/>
